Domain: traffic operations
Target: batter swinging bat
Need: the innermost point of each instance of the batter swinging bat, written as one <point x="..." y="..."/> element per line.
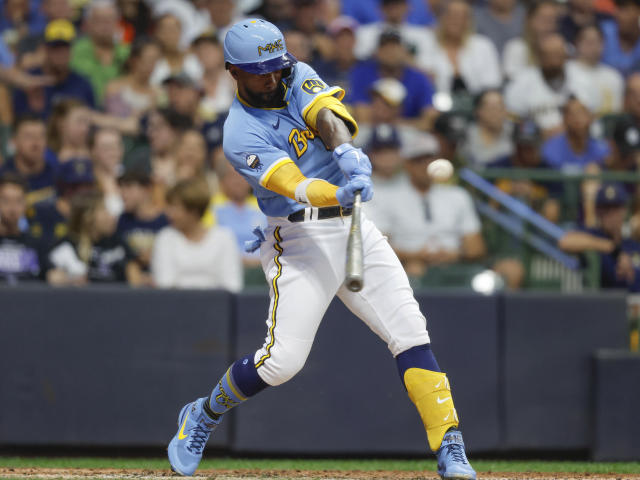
<point x="354" y="278"/>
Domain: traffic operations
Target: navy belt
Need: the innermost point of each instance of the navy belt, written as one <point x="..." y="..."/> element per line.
<point x="315" y="213"/>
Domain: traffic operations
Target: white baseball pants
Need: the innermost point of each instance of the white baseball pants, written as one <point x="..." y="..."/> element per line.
<point x="304" y="264"/>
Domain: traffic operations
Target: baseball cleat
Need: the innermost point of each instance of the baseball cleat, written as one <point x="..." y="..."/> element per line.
<point x="194" y="428"/>
<point x="452" y="461"/>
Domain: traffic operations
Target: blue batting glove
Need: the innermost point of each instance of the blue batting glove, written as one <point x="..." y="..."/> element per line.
<point x="351" y="160"/>
<point x="346" y="194"/>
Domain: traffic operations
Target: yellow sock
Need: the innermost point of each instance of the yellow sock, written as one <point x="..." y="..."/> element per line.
<point x="431" y="394"/>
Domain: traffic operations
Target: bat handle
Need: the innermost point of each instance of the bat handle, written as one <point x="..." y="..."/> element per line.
<point x="355" y="278"/>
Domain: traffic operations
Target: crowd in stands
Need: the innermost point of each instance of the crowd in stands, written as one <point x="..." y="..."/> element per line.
<point x="112" y="113"/>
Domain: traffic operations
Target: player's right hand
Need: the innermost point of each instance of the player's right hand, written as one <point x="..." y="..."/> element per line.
<point x="346" y="194"/>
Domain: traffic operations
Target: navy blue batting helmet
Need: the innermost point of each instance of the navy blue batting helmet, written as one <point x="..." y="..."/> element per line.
<point x="257" y="46"/>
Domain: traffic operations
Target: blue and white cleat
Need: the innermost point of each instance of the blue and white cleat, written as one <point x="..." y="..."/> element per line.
<point x="452" y="460"/>
<point x="194" y="428"/>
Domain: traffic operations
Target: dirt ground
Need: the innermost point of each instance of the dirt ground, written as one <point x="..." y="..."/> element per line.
<point x="77" y="474"/>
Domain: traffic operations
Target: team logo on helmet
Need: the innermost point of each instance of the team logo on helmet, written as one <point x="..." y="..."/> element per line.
<point x="313" y="86"/>
<point x="253" y="161"/>
<point x="270" y="47"/>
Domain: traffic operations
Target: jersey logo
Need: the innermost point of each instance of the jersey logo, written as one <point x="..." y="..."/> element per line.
<point x="300" y="140"/>
<point x="276" y="125"/>
<point x="313" y="86"/>
<point x="270" y="47"/>
<point x="253" y="161"/>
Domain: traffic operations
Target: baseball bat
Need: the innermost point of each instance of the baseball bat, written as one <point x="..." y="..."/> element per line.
<point x="354" y="277"/>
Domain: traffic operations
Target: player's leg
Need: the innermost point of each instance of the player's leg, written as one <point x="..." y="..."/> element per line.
<point x="302" y="284"/>
<point x="386" y="304"/>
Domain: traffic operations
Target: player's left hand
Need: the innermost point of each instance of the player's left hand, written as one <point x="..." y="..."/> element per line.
<point x="352" y="161"/>
<point x="361" y="183"/>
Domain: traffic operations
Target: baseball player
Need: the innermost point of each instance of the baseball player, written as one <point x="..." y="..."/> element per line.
<point x="290" y="136"/>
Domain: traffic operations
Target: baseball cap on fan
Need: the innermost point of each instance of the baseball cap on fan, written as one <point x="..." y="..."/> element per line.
<point x="626" y="136"/>
<point x="390" y="90"/>
<point x="75" y="171"/>
<point x="342" y="23"/>
<point x="420" y="145"/>
<point x="611" y="195"/>
<point x="59" y="32"/>
<point x="383" y="136"/>
<point x="182" y="79"/>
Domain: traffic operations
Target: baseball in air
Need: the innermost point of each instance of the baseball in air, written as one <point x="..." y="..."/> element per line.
<point x="440" y="170"/>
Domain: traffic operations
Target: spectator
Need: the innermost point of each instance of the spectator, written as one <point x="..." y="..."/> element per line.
<point x="222" y="14"/>
<point x="460" y="60"/>
<point x="19" y="252"/>
<point x="500" y="21"/>
<point x="65" y="83"/>
<point x="107" y="151"/>
<point x="370" y="11"/>
<point x="278" y="12"/>
<point x="527" y="140"/>
<point x="218" y="88"/>
<point x="626" y="129"/>
<point x="522" y="52"/>
<point x="433" y="224"/>
<point x="174" y="59"/>
<point x="48" y="220"/>
<point x="17" y="19"/>
<point x="30" y="159"/>
<point x="30" y="49"/>
<point x="234" y="207"/>
<point x="192" y="21"/>
<point x="98" y="56"/>
<point x="337" y="70"/>
<point x="135" y="19"/>
<point x="575" y="148"/>
<point x="387" y="96"/>
<point x="68" y="130"/>
<point x="141" y="220"/>
<point x="587" y="64"/>
<point x="488" y="140"/>
<point x="191" y="155"/>
<point x="395" y="18"/>
<point x="300" y="46"/>
<point x="580" y="14"/>
<point x="163" y="131"/>
<point x="189" y="255"/>
<point x="132" y="93"/>
<point x="540" y="92"/>
<point x="91" y="253"/>
<point x="622" y="37"/>
<point x="383" y="149"/>
<point x="392" y="61"/>
<point x="307" y="19"/>
<point x="450" y="130"/>
<point x="617" y="270"/>
<point x="184" y="94"/>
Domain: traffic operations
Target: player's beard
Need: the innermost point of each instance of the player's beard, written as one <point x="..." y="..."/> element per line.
<point x="272" y="99"/>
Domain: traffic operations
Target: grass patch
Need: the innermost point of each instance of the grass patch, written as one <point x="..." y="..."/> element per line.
<point x="324" y="464"/>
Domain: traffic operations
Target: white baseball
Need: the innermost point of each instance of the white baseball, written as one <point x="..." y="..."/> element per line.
<point x="440" y="170"/>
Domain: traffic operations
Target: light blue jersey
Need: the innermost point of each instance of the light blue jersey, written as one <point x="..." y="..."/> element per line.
<point x="257" y="140"/>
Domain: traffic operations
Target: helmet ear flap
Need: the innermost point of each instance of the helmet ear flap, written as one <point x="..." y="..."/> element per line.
<point x="286" y="72"/>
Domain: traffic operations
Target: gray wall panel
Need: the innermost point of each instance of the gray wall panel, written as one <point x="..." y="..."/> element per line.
<point x="106" y="367"/>
<point x="549" y="341"/>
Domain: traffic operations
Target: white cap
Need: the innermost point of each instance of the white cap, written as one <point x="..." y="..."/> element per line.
<point x="420" y="144"/>
<point x="390" y="89"/>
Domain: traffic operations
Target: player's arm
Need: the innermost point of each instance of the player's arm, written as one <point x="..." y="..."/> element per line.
<point x="333" y="129"/>
<point x="286" y="179"/>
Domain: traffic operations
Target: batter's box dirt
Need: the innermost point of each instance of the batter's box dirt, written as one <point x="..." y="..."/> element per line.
<point x="139" y="474"/>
